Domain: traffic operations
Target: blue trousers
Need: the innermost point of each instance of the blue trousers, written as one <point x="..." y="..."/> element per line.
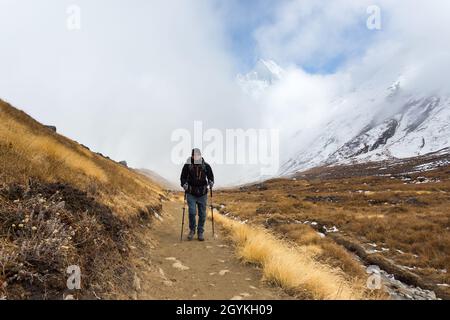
<point x="194" y="203"/>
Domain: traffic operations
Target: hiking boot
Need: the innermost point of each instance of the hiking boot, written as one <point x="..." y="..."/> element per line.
<point x="191" y="235"/>
<point x="201" y="237"/>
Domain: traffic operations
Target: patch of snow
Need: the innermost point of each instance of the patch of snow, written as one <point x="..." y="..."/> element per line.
<point x="331" y="230"/>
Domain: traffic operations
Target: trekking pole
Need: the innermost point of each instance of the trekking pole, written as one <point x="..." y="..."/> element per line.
<point x="182" y="221"/>
<point x="212" y="213"/>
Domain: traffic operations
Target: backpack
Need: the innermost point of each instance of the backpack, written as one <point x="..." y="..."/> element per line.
<point x="197" y="179"/>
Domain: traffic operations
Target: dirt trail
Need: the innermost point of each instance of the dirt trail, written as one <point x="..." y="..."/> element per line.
<point x="170" y="269"/>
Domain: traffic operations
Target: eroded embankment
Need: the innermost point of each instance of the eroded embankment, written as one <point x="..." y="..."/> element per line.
<point x="45" y="228"/>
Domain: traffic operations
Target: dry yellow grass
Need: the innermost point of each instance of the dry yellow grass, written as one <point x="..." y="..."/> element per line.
<point x="62" y="204"/>
<point x="408" y="220"/>
<point x="292" y="267"/>
<point x="42" y="149"/>
<point x="30" y="150"/>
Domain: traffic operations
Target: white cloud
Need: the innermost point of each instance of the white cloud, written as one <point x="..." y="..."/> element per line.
<point x="300" y="100"/>
<point x="312" y="32"/>
<point x="133" y="73"/>
<point x="411" y="45"/>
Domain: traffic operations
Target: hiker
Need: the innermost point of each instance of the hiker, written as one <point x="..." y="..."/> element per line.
<point x="195" y="178"/>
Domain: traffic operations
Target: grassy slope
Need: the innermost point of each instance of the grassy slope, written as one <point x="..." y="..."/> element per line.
<point x="29" y="149"/>
<point x="61" y="204"/>
<point x="409" y="218"/>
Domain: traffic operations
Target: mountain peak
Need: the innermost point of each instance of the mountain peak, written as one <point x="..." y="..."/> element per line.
<point x="268" y="70"/>
<point x="264" y="74"/>
<point x="395" y="87"/>
<point x="265" y="70"/>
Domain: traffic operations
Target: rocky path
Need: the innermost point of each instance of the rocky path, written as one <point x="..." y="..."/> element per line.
<point x="171" y="269"/>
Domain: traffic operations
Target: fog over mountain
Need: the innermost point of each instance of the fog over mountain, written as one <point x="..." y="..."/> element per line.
<point x="389" y="100"/>
<point x="312" y="69"/>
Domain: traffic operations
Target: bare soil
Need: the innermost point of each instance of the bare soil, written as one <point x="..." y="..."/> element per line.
<point x="170" y="269"/>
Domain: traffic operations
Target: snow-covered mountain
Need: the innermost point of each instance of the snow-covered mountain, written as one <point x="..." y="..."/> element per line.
<point x="421" y="126"/>
<point x="372" y="122"/>
<point x="265" y="74"/>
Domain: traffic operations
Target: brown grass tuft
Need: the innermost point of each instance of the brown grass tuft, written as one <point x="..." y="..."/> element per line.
<point x="292" y="267"/>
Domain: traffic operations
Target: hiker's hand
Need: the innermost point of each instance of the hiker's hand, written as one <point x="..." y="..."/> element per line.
<point x="211" y="184"/>
<point x="185" y="187"/>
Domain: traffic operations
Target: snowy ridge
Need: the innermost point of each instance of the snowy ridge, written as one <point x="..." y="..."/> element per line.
<point x="373" y="122"/>
<point x="422" y="126"/>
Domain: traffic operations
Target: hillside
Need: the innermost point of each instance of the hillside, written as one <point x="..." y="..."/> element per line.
<point x="163" y="182"/>
<point x="29" y="149"/>
<point x="393" y="214"/>
<point x="62" y="204"/>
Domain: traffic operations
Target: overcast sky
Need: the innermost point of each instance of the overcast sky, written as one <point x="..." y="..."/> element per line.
<point x="137" y="70"/>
